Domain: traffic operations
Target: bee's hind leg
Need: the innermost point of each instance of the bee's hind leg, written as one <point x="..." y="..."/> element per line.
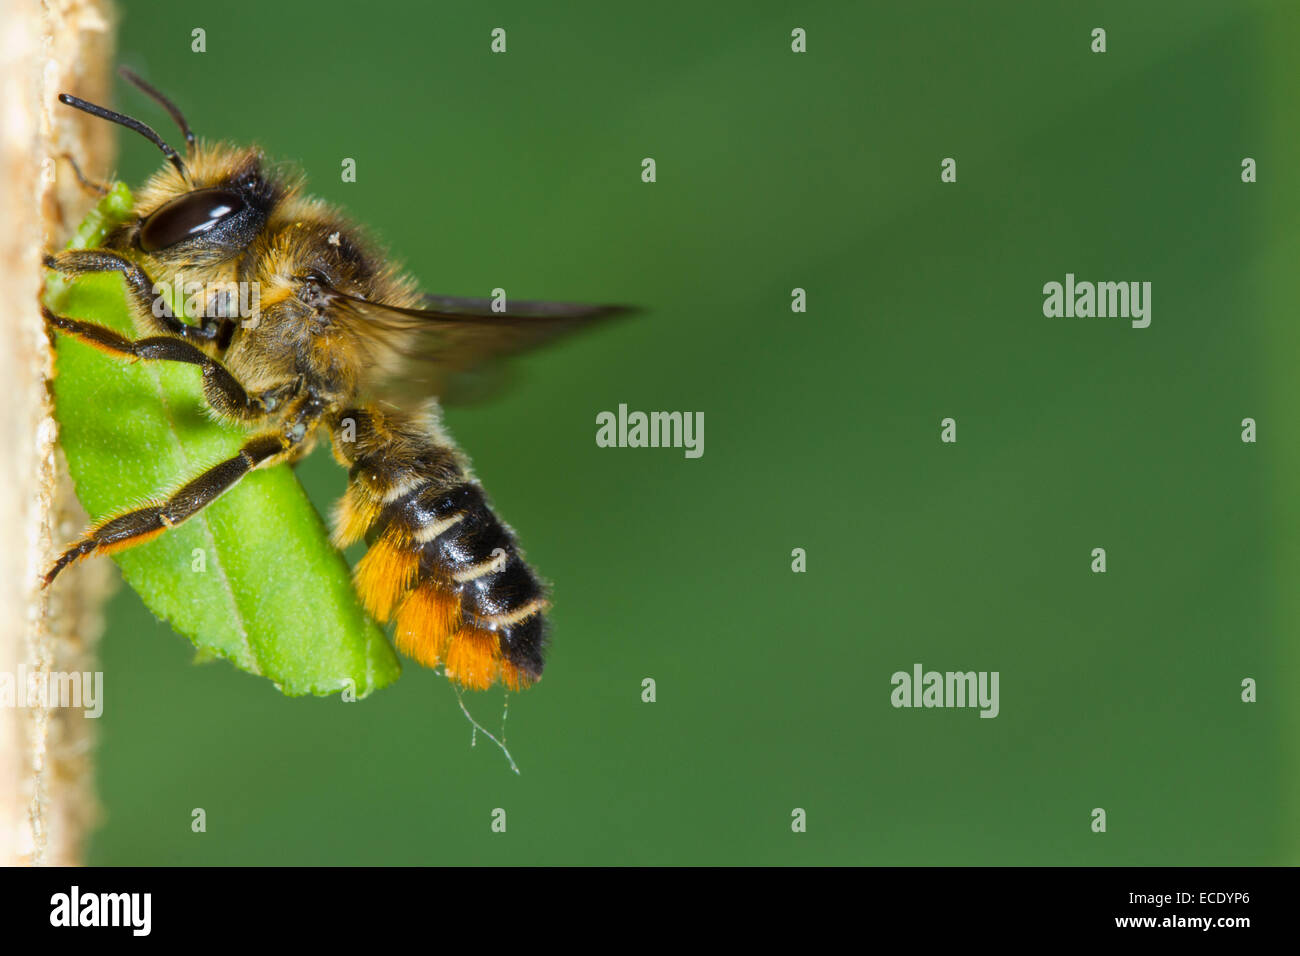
<point x="144" y="524"/>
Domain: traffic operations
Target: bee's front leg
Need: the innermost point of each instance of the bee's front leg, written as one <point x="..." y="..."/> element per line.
<point x="88" y="184"/>
<point x="141" y="293"/>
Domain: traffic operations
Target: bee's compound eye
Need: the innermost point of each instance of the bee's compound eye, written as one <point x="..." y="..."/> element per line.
<point x="188" y="217"/>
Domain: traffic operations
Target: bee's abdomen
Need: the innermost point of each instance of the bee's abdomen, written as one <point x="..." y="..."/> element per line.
<point x="444" y="566"/>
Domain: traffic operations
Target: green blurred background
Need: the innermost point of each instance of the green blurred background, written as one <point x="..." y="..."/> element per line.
<point x="821" y="171"/>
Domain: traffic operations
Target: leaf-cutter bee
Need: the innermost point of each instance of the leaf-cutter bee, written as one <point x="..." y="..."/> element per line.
<point x="337" y="324"/>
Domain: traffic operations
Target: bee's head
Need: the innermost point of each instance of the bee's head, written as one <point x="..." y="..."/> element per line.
<point x="215" y="216"/>
<point x="211" y="204"/>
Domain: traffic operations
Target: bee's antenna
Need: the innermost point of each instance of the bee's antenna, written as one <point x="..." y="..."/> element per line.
<point x="151" y="92"/>
<point x="77" y="103"/>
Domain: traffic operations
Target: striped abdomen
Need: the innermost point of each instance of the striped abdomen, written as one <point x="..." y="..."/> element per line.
<point x="440" y="561"/>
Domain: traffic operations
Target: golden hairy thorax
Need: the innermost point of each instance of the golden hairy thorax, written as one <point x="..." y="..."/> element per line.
<point x="333" y="351"/>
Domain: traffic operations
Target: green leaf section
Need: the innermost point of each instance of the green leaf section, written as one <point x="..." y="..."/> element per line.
<point x="252" y="578"/>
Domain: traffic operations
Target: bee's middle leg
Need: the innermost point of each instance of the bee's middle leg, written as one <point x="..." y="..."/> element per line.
<point x="222" y="390"/>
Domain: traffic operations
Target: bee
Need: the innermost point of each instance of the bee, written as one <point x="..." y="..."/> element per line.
<point x="337" y="325"/>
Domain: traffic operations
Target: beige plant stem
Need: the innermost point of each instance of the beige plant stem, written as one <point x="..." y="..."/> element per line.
<point x="47" y="800"/>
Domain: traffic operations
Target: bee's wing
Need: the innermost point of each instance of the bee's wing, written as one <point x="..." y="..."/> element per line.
<point x="456" y="350"/>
